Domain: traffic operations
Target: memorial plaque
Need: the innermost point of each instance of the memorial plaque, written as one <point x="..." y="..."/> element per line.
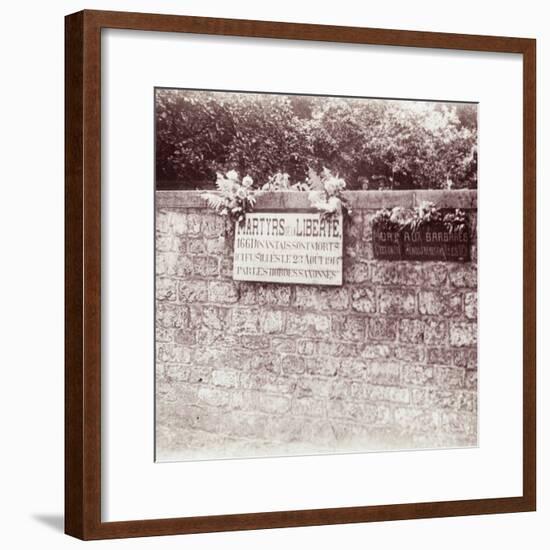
<point x="386" y="243"/>
<point x="289" y="247"/>
<point x="431" y="242"/>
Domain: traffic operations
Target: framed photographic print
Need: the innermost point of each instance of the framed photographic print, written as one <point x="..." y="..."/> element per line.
<point x="300" y="275"/>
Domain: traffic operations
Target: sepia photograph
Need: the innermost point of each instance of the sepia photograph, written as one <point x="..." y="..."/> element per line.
<point x="315" y="274"/>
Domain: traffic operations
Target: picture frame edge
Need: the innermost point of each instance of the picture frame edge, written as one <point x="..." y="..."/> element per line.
<point x="83" y="276"/>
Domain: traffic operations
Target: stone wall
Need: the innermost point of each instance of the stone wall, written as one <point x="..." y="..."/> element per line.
<point x="387" y="361"/>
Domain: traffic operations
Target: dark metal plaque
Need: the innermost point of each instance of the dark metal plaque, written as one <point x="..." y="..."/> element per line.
<point x="431" y="242"/>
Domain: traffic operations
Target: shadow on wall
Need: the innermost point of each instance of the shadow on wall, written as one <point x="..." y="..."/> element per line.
<point x="55" y="522"/>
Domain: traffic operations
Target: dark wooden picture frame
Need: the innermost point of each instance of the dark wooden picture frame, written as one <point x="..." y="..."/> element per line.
<point x="83" y="274"/>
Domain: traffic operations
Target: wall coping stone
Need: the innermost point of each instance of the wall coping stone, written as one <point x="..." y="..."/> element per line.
<point x="361" y="200"/>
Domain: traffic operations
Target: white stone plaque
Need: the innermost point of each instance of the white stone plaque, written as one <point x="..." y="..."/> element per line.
<point x="289" y="247"/>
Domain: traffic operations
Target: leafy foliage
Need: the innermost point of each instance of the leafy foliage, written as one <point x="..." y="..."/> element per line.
<point x="233" y="198"/>
<point x="326" y="193"/>
<point x="371" y="144"/>
<point x="281" y="182"/>
<point x="413" y="219"/>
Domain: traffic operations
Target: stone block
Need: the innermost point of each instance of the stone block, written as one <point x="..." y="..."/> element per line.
<point x="347" y="389"/>
<point x="318" y="299"/>
<point x="313" y="386"/>
<point x="212" y="317"/>
<point x="264" y="362"/>
<point x="363" y="300"/>
<point x="410" y="354"/>
<point x="436" y="332"/>
<point x="435" y="274"/>
<point x="176" y="372"/>
<point x="273" y="295"/>
<point x="173" y="353"/>
<point x="226" y="268"/>
<point x="307" y="406"/>
<point x="463" y="276"/>
<point x="167" y="242"/>
<point x="222" y="292"/>
<point x="470" y="380"/>
<point x="245" y="320"/>
<point x="452" y="421"/>
<point x="194" y="222"/>
<point x="436" y="398"/>
<point x="349" y="327"/>
<point x="337" y="348"/>
<point x="186" y="336"/>
<point x="463" y="334"/>
<point x="205" y="266"/>
<point x="322" y="366"/>
<point x="439" y="356"/>
<point x="359" y="412"/>
<point x="248" y="293"/>
<point x="164" y="334"/>
<point x="440" y="303"/>
<point x="274" y="404"/>
<point x="307" y="324"/>
<point x="192" y="291"/>
<point x="391" y="394"/>
<point x="465" y="358"/>
<point x="382" y="328"/>
<point x="417" y="375"/>
<point x="196" y="246"/>
<point x="351" y="367"/>
<point x="168" y="315"/>
<point x="375" y="351"/>
<point x="383" y="372"/>
<point x="283" y="344"/>
<point x="268" y="382"/>
<point x="225" y="378"/>
<point x="165" y="263"/>
<point x="411" y="331"/>
<point x="255" y="342"/>
<point x="450" y="377"/>
<point x="470" y="305"/>
<point x="306" y="347"/>
<point x="214" y="397"/>
<point x="272" y="321"/>
<point x="467" y="401"/>
<point x="184" y="266"/>
<point x="411" y="419"/>
<point x="217" y="246"/>
<point x="355" y="272"/>
<point x="292" y="364"/>
<point x="212" y="225"/>
<point x="217" y="338"/>
<point x="397" y="274"/>
<point x="396" y="301"/>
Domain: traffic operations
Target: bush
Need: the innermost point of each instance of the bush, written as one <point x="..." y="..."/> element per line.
<point x="371" y="144"/>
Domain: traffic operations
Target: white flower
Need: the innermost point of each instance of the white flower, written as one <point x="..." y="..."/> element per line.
<point x="248" y="181"/>
<point x="399" y="215"/>
<point x="330" y="187"/>
<point x="225" y="187"/>
<point x="334" y="204"/>
<point x="241" y="193"/>
<point x="315" y="197"/>
<point x="232" y="175"/>
<point x="283" y="179"/>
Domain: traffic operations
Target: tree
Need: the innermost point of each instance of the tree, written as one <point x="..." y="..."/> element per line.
<point x="193" y="132"/>
<point x="371" y="143"/>
<point x="267" y="137"/>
